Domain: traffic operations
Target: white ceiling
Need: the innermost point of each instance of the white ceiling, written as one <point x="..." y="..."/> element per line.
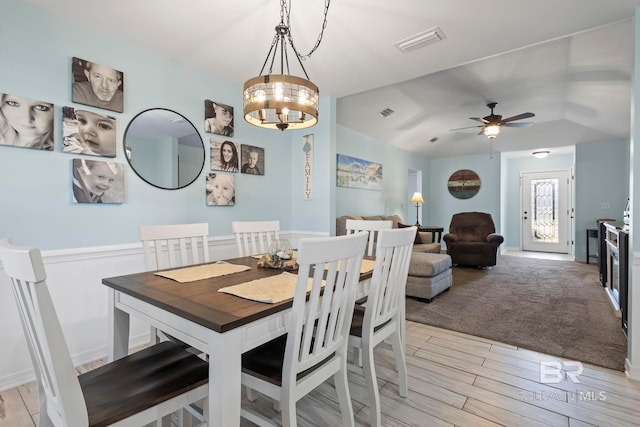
<point x="578" y="87"/>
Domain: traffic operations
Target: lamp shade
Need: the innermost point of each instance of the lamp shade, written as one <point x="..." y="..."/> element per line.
<point x="417" y="198"/>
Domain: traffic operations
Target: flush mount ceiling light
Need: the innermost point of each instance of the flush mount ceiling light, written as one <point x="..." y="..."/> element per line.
<point x="419" y="40"/>
<point x="541" y="154"/>
<point x="282" y="101"/>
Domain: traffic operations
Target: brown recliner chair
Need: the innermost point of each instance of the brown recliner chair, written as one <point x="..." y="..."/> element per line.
<point x="472" y="239"/>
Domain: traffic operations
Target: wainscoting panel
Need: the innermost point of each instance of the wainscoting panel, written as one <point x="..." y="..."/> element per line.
<point x="75" y="278"/>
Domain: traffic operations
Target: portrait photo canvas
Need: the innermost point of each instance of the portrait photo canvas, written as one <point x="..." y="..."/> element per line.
<point x="97" y="181"/>
<point x="88" y="132"/>
<point x="225" y="156"/>
<point x="97" y="85"/>
<point x="26" y="122"/>
<point x="221" y="189"/>
<point x="218" y="118"/>
<point x="252" y="160"/>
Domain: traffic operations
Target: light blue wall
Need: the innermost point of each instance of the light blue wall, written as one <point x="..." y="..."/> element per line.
<point x="396" y="163"/>
<point x="35" y="187"/>
<point x="511" y="220"/>
<point x="441" y="205"/>
<point x="602" y="176"/>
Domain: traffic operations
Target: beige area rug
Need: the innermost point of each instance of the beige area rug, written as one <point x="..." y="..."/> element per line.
<point x="554" y="307"/>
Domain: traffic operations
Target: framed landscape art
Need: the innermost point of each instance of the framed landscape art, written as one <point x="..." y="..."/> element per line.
<point x="358" y="173"/>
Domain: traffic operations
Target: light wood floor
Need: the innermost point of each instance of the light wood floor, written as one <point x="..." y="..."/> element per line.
<point x="454" y="380"/>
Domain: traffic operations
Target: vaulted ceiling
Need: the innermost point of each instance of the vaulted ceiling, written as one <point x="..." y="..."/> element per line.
<point x="568" y="62"/>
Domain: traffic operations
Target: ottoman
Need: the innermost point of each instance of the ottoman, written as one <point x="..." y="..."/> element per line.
<point x="429" y="274"/>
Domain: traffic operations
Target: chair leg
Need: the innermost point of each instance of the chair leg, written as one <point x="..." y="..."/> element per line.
<point x="401" y="364"/>
<point x="344" y="398"/>
<point x="288" y="406"/>
<point x="372" y="385"/>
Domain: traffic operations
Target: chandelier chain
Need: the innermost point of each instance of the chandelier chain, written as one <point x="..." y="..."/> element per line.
<point x="283" y="8"/>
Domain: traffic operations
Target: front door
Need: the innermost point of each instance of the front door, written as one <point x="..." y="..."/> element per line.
<point x="545" y="211"/>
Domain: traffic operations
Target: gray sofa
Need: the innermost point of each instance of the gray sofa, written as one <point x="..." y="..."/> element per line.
<point x="429" y="270"/>
<point x="424" y="244"/>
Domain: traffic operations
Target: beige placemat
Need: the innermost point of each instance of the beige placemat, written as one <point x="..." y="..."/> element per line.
<point x="199" y="272"/>
<point x="367" y="265"/>
<point x="270" y="290"/>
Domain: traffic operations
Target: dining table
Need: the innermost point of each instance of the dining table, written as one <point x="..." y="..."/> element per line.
<point x="219" y="324"/>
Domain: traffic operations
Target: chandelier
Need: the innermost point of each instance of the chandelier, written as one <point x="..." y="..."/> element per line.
<point x="282" y="101"/>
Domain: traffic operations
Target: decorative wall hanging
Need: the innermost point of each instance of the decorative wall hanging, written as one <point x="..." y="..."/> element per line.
<point x="221" y="189"/>
<point x="307" y="162"/>
<point x="225" y="156"/>
<point x="86" y="132"/>
<point x="357" y="173"/>
<point x="97" y="85"/>
<point x="218" y="118"/>
<point x="464" y="184"/>
<point x="252" y="160"/>
<point x="36" y="133"/>
<point x="96" y="181"/>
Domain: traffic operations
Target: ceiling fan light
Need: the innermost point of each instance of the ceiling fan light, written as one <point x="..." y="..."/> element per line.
<point x="491" y="131"/>
<point x="541" y="154"/>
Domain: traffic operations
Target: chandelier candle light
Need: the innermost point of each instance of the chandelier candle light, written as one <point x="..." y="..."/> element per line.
<point x="417" y="199"/>
<point x="282" y="101"/>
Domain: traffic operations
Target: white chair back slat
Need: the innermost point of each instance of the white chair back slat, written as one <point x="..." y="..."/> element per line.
<point x="175" y="245"/>
<point x="255" y="237"/>
<point x="371" y="227"/>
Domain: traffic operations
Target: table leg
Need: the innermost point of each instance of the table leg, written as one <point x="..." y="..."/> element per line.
<point x="225" y="388"/>
<point x="118" y="329"/>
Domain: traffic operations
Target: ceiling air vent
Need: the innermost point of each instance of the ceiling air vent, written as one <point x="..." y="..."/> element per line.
<point x="386" y="112"/>
<point x="419" y="40"/>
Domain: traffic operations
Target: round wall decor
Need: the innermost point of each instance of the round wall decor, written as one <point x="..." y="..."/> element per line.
<point x="464" y="184"/>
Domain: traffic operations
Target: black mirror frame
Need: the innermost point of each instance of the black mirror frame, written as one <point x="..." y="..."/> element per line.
<point x="127" y="156"/>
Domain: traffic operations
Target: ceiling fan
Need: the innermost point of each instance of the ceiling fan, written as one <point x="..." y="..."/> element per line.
<point x="491" y="124"/>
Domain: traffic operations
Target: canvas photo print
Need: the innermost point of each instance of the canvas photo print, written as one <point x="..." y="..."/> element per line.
<point x="88" y="132"/>
<point x="98" y="181"/>
<point x="225" y="156"/>
<point x="221" y="189"/>
<point x="218" y="118"/>
<point x="97" y="85"/>
<point x="26" y="122"/>
<point x="252" y="160"/>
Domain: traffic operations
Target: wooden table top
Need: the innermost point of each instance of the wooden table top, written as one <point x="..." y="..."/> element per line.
<point x="200" y="301"/>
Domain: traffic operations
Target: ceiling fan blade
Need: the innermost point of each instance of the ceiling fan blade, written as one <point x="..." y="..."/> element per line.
<point x="480" y="119"/>
<point x="517" y="125"/>
<point x="518" y="117"/>
<point x="468" y="127"/>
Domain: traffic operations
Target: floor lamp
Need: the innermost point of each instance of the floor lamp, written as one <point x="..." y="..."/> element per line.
<point x="417" y="199"/>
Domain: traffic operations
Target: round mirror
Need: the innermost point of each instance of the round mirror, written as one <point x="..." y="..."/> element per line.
<point x="164" y="148"/>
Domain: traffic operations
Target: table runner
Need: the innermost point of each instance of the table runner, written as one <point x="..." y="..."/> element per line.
<point x="200" y="272"/>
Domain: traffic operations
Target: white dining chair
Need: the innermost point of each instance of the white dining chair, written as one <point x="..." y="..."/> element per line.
<point x="173" y="246"/>
<point x="371" y="227"/>
<point x="135" y="390"/>
<point x="315" y="348"/>
<point x="383" y="315"/>
<point x="255" y="237"/>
